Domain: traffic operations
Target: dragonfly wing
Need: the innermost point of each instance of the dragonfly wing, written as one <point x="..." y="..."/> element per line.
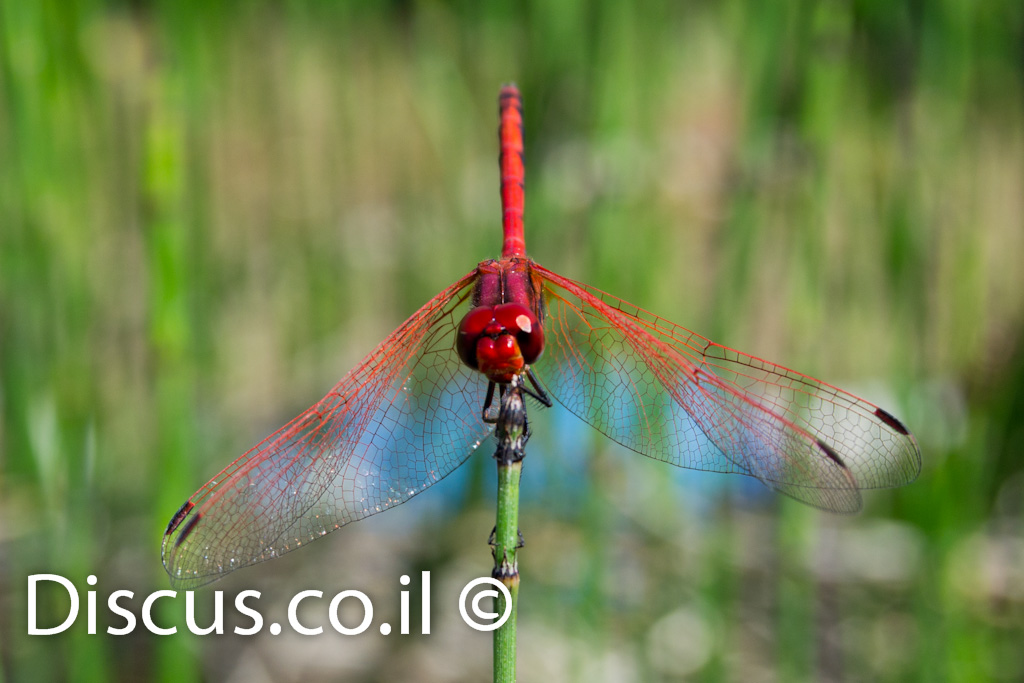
<point x="402" y="420"/>
<point x="675" y="396"/>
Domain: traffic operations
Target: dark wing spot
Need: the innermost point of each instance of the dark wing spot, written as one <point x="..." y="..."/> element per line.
<point x="187" y="529"/>
<point x="890" y="420"/>
<point x="178" y="516"/>
<point x="830" y="452"/>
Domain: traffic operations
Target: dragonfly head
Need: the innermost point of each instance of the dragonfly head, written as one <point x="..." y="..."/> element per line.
<point x="500" y="341"/>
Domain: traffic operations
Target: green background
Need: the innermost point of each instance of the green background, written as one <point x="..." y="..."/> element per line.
<point x="210" y="211"/>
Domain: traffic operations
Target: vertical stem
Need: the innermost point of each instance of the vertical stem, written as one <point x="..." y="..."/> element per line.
<point x="506" y="569"/>
<point x="511" y="432"/>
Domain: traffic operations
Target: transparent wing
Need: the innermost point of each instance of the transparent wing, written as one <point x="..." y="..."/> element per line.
<point x="402" y="420"/>
<point x="676" y="396"/>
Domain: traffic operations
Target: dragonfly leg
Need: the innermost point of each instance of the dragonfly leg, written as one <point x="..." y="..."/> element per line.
<point x="487" y="404"/>
<point x="538" y="391"/>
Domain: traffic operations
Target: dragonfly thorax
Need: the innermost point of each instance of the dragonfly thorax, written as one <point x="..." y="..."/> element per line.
<point x="500" y="341"/>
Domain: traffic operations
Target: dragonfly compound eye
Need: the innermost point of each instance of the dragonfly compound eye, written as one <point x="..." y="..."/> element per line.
<point x="520" y="321"/>
<point x="499" y="340"/>
<point x="471" y="329"/>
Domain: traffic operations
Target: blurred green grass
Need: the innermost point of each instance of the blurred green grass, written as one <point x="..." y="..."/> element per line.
<point x="211" y="211"/>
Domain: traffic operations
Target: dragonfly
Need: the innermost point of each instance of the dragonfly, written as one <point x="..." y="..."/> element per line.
<point x="423" y="401"/>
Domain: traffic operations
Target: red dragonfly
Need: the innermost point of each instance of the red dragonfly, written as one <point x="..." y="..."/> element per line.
<point x="419" y="405"/>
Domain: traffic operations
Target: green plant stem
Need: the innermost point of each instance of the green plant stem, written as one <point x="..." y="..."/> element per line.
<point x="511" y="432"/>
<point x="506" y="568"/>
